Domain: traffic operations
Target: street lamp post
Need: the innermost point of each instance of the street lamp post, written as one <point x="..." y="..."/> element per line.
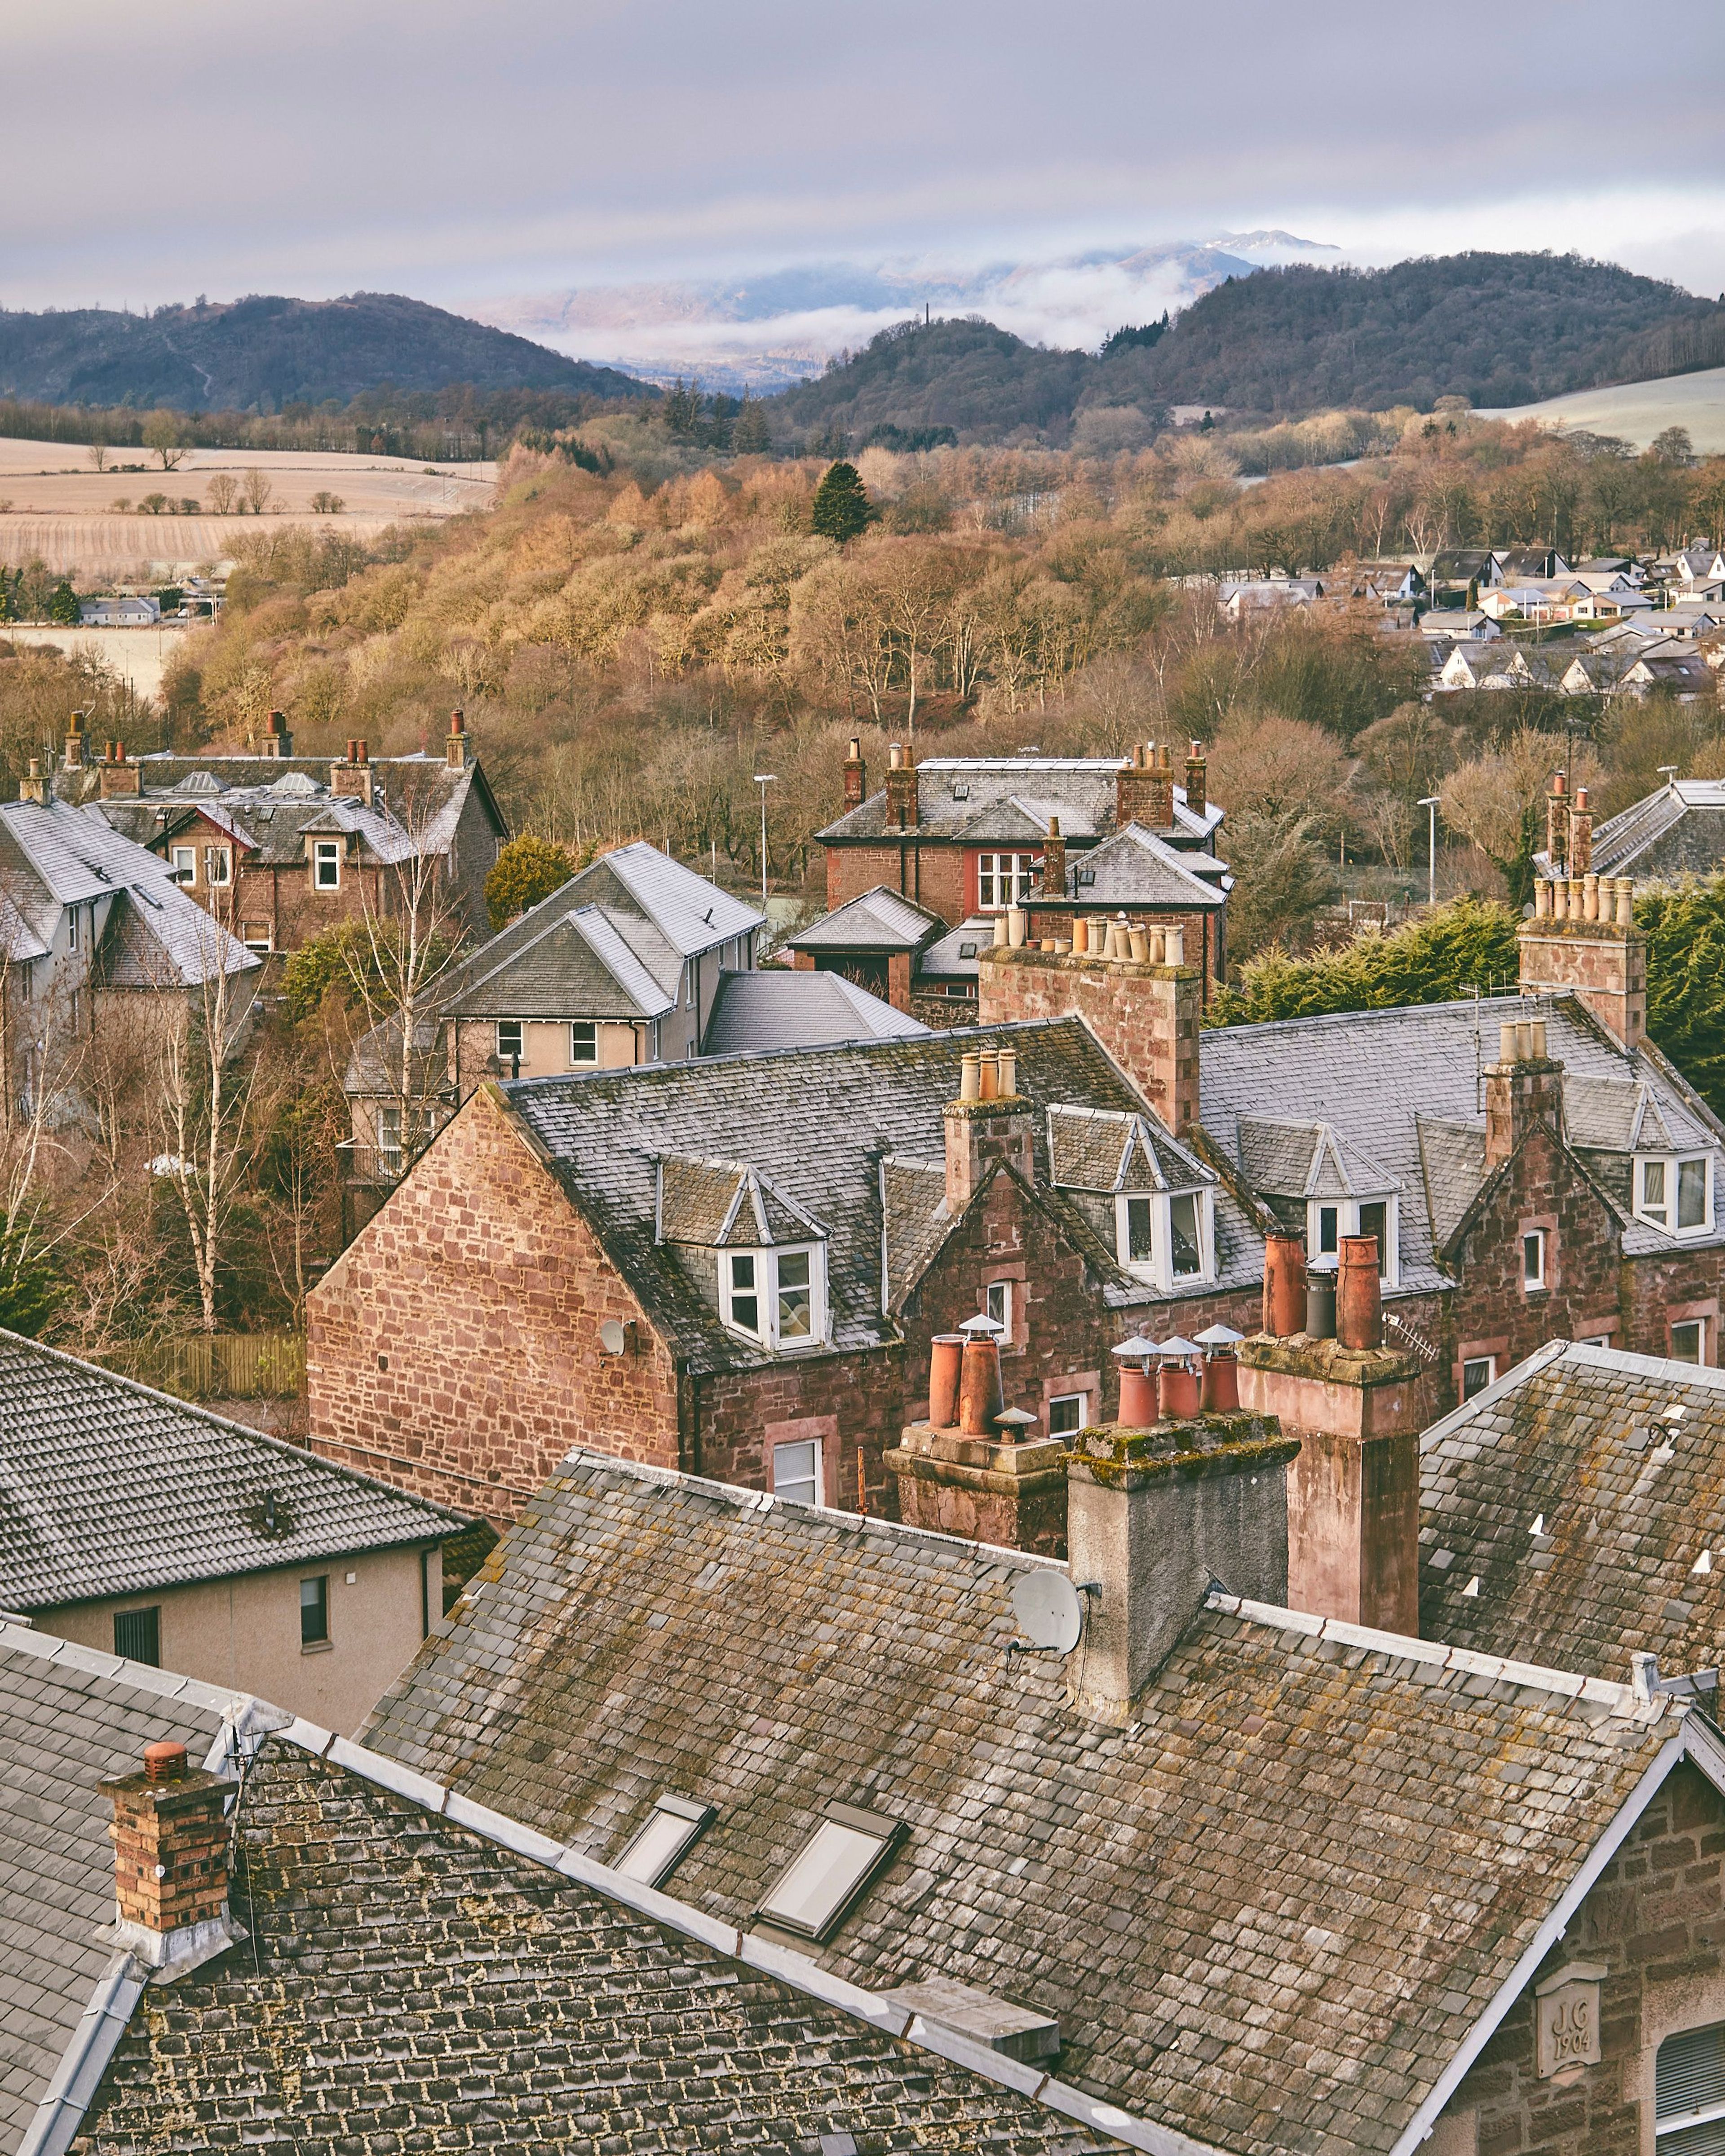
<point x="1430" y="801"/>
<point x="763" y="779"/>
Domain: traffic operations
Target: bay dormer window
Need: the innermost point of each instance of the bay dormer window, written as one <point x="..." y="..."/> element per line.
<point x="1328" y="1220"/>
<point x="1168" y="1238"/>
<point x="777" y="1296"/>
<point x="1675" y="1193"/>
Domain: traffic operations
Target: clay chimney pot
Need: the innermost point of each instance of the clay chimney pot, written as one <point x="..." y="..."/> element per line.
<point x="1359" y="1294"/>
<point x="1284" y="1285"/>
<point x="165" y="1761"/>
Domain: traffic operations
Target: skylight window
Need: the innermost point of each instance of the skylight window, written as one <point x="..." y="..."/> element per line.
<point x="822" y="1883"/>
<point x="659" y="1844"/>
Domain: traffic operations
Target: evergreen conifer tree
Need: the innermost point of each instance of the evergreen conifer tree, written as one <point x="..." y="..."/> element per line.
<point x="842" y="508"/>
<point x="748" y="430"/>
<point x="63" y="607"/>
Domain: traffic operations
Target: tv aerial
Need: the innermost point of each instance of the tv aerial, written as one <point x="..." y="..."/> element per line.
<point x="1050" y="1612"/>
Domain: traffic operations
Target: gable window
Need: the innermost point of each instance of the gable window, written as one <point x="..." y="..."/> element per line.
<point x="1533" y="1259"/>
<point x="1476" y="1374"/>
<point x="1166" y="1238"/>
<point x="512" y="1046"/>
<point x="1689" y="1340"/>
<point x="72" y="927"/>
<point x="137" y="1635"/>
<point x="778" y="1297"/>
<point x="326" y="863"/>
<point x="1327" y="1220"/>
<point x="820" y="1885"/>
<point x="997" y="1303"/>
<point x="217" y="865"/>
<point x="1689" y="2092"/>
<point x="1677" y="1195"/>
<point x="1003" y="880"/>
<point x="1067" y="1414"/>
<point x="315" y="1611"/>
<point x="796" y="1471"/>
<point x="659" y="1844"/>
<point x="185" y="864"/>
<point x="584" y="1041"/>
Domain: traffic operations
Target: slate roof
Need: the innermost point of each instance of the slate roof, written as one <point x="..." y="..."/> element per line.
<point x="1134" y="867"/>
<point x="1284" y="1963"/>
<point x="67" y="1715"/>
<point x="1376" y="1078"/>
<point x="946" y="959"/>
<point x="817" y="1123"/>
<point x="977" y="798"/>
<point x="1621" y="1459"/>
<point x="756" y="1011"/>
<point x="1679" y="830"/>
<point x="878" y="920"/>
<point x="1306" y="1160"/>
<point x="478" y="1997"/>
<point x="108" y="1488"/>
<point x="1100" y="1150"/>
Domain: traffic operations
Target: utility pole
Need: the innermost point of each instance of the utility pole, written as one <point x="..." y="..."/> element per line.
<point x="1430" y="801"/>
<point x="763" y="779"/>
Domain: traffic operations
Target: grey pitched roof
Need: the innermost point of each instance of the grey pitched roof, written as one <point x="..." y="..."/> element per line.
<point x="756" y="1011"/>
<point x="1584" y="1441"/>
<point x="69" y="1715"/>
<point x="692" y="913"/>
<point x="817" y="1123"/>
<point x="878" y="920"/>
<point x="1135" y="867"/>
<point x="1372" y="1076"/>
<point x="575" y="963"/>
<point x="1308" y="1160"/>
<point x="1103" y="1151"/>
<point x="1283" y="1963"/>
<point x="108" y="1488"/>
<point x="718" y="1204"/>
<point x="1453" y="1158"/>
<point x="1680" y="829"/>
<point x="1012" y="798"/>
<point x="952" y="955"/>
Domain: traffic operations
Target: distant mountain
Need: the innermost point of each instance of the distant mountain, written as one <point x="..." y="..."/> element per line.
<point x="259" y="354"/>
<point x="1496" y="329"/>
<point x="766" y="332"/>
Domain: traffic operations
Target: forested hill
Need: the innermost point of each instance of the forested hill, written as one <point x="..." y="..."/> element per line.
<point x="1497" y="329"/>
<point x="259" y="354"/>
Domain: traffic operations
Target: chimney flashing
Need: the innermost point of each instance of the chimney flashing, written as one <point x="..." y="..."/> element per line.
<point x="170" y="1836"/>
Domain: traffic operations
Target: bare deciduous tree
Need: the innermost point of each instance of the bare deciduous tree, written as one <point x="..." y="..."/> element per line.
<point x="221" y="494"/>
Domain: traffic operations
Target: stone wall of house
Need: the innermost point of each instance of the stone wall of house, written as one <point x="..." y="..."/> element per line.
<point x="1145" y="1016"/>
<point x="931" y="875"/>
<point x="1655" y="1923"/>
<point x="454" y="1347"/>
<point x="853" y="1402"/>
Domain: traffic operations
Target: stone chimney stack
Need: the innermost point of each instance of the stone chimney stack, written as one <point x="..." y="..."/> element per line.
<point x="971" y="1469"/>
<point x="1557" y="824"/>
<point x="902" y="811"/>
<point x="1137" y="789"/>
<point x="1356" y="1408"/>
<point x="455" y="748"/>
<point x="1197" y="781"/>
<point x="1054" y="861"/>
<point x="1524" y="1087"/>
<point x="352" y="779"/>
<point x="277" y="742"/>
<point x="74" y="742"/>
<point x="1144" y="1010"/>
<point x="856" y="775"/>
<point x="1153" y="1516"/>
<point x="117" y="778"/>
<point x="1583" y="942"/>
<point x="33" y="787"/>
<point x="170" y="1839"/>
<point x="1581" y="835"/>
<point x="989" y="1120"/>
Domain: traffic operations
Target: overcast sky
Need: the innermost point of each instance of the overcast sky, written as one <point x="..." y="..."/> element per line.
<point x="454" y="149"/>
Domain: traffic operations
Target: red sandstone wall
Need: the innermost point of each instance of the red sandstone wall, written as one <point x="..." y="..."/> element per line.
<point x="931" y="875"/>
<point x="1145" y="1016"/>
<point x="862" y="1394"/>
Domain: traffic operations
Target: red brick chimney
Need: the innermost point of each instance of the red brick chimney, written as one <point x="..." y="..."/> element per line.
<point x="1054" y="862"/>
<point x="170" y="1857"/>
<point x="277" y="741"/>
<point x="1144" y="1012"/>
<point x="1523" y="1087"/>
<point x="455" y="748"/>
<point x="1197" y="781"/>
<point x="74" y="742"/>
<point x="856" y="775"/>
<point x="352" y="779"/>
<point x="986" y="1124"/>
<point x="900" y="790"/>
<point x="967" y="1470"/>
<point x="117" y="778"/>
<point x="1583" y="942"/>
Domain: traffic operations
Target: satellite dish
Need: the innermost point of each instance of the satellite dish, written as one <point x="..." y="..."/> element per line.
<point x="611" y="1337"/>
<point x="1049" y="1610"/>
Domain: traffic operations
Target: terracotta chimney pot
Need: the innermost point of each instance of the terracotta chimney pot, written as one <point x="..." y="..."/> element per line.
<point x="1284" y="1285"/>
<point x="1359" y="1294"/>
<point x="946" y="1357"/>
<point x="980" y="1398"/>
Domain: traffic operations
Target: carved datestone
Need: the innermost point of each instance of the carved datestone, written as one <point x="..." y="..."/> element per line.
<point x="1567" y="2018"/>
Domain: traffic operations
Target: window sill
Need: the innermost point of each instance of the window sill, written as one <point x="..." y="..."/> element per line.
<point x="317" y="1647"/>
<point x="1531" y="1288"/>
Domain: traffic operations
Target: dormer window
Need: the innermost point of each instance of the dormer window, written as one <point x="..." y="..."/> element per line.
<point x="1328" y="1220"/>
<point x="776" y="1297"/>
<point x="1674" y="1194"/>
<point x="1168" y="1238"/>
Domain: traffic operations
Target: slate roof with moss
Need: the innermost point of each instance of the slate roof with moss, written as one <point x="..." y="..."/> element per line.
<point x="108" y="1488"/>
<point x="976" y="800"/>
<point x="1266" y="1914"/>
<point x="1620" y="1460"/>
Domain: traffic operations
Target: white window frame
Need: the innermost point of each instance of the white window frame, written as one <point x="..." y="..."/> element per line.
<point x="325" y="853"/>
<point x="1661" y="1212"/>
<point x="997" y="1303"/>
<point x="577" y="1028"/>
<point x="1535" y="1282"/>
<point x="831" y="1873"/>
<point x="1699" y="1325"/>
<point x="507" y="1051"/>
<point x="1159" y="1269"/>
<point x="1012" y="876"/>
<point x="664" y="1839"/>
<point x="815" y="1480"/>
<point x="257" y="936"/>
<point x="72" y="927"/>
<point x="218" y="867"/>
<point x="766" y="1295"/>
<point x="184" y="865"/>
<point x="1080" y="1401"/>
<point x="1347" y="1211"/>
<point x="1488" y="1364"/>
<point x="1667" y="2125"/>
